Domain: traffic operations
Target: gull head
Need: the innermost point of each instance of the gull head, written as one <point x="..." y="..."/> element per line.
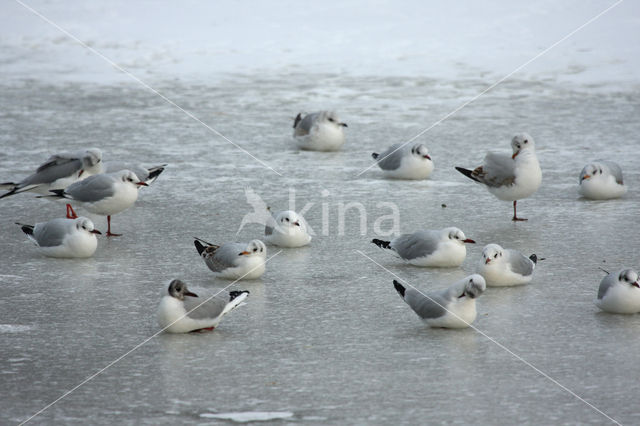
<point x="492" y="253"/>
<point x="179" y="290"/>
<point x="520" y="142"/>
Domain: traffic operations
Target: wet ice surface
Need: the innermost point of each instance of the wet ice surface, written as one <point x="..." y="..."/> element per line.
<point x="324" y="335"/>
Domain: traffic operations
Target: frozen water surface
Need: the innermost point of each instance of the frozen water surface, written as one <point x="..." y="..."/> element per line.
<point x="324" y="338"/>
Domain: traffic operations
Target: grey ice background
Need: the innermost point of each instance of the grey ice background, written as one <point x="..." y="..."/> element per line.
<point x="324" y="338"/>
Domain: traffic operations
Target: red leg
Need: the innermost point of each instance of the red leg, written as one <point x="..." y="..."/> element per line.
<point x="109" y="234"/>
<point x="70" y="213"/>
<point x="515" y="217"/>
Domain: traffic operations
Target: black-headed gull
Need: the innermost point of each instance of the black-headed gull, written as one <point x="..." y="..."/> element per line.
<point x="147" y="175"/>
<point x="405" y="162"/>
<point x="236" y="261"/>
<point x="510" y="177"/>
<point x="288" y="229"/>
<point x="58" y="172"/>
<point x="454" y="307"/>
<point x="182" y="311"/>
<point x="320" y="131"/>
<point x="601" y="180"/>
<point x="105" y="194"/>
<point x="63" y="237"/>
<point x="619" y="293"/>
<point x="505" y="267"/>
<point x="441" y="248"/>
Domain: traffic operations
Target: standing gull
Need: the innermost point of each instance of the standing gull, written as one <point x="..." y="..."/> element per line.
<point x="442" y="248"/>
<point x="454" y="307"/>
<point x="182" y="311"/>
<point x="601" y="180"/>
<point x="405" y="162"/>
<point x="104" y="194"/>
<point x="504" y="267"/>
<point x="619" y="293"/>
<point x="287" y="229"/>
<point x="63" y="237"/>
<point x="235" y="261"/>
<point x="510" y="177"/>
<point x="58" y="172"/>
<point x="320" y="131"/>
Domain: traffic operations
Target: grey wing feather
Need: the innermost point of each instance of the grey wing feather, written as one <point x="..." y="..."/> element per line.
<point x="55" y="168"/>
<point x="210" y="309"/>
<point x="223" y="257"/>
<point x="271" y="223"/>
<point x="418" y="244"/>
<point x="425" y="307"/>
<point x="392" y="157"/>
<point x="519" y="263"/>
<point x="605" y="284"/>
<point x="497" y="170"/>
<point x="615" y="170"/>
<point x="304" y="127"/>
<point x="94" y="188"/>
<point x="51" y="234"/>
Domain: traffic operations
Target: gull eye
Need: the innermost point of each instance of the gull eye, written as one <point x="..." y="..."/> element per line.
<point x="287" y="219"/>
<point x="331" y="120"/>
<point x="255" y="250"/>
<point x="495" y="256"/>
<point x="526" y="141"/>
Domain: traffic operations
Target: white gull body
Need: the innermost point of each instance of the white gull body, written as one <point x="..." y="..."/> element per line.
<point x="68" y="238"/>
<point x="235" y="261"/>
<point x="505" y="267"/>
<point x="439" y="248"/>
<point x="601" y="180"/>
<point x="320" y="131"/>
<point x="288" y="229"/>
<point x="454" y="307"/>
<point x="619" y="293"/>
<point x="182" y="311"/>
<point x="405" y="162"/>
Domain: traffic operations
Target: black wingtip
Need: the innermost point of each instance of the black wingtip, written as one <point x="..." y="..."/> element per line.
<point x="199" y="246"/>
<point x="154" y="174"/>
<point x="56" y="193"/>
<point x="6" y="194"/>
<point x="381" y="243"/>
<point x="468" y="173"/>
<point x="399" y="288"/>
<point x="534" y="258"/>
<point x="27" y="229"/>
<point x="375" y="155"/>
<point x="297" y="120"/>
<point x="234" y="294"/>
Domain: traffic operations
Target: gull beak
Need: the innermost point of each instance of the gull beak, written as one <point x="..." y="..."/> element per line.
<point x="296" y="223"/>
<point x="487" y="261"/>
<point x="636" y="284"/>
<point x="81" y="172"/>
<point x="469" y="241"/>
<point x="245" y="253"/>
<point x="427" y="157"/>
<point x="95" y="231"/>
<point x="188" y="293"/>
<point x="141" y="184"/>
<point x="515" y="154"/>
<point x="585" y="177"/>
<point x="343" y="124"/>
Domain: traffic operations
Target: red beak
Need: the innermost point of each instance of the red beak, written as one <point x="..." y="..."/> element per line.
<point x="141" y="184"/>
<point x="95" y="231"/>
<point x="487" y="261"/>
<point x="469" y="240"/>
<point x="514" y="155"/>
<point x="296" y="223"/>
<point x="427" y="157"/>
